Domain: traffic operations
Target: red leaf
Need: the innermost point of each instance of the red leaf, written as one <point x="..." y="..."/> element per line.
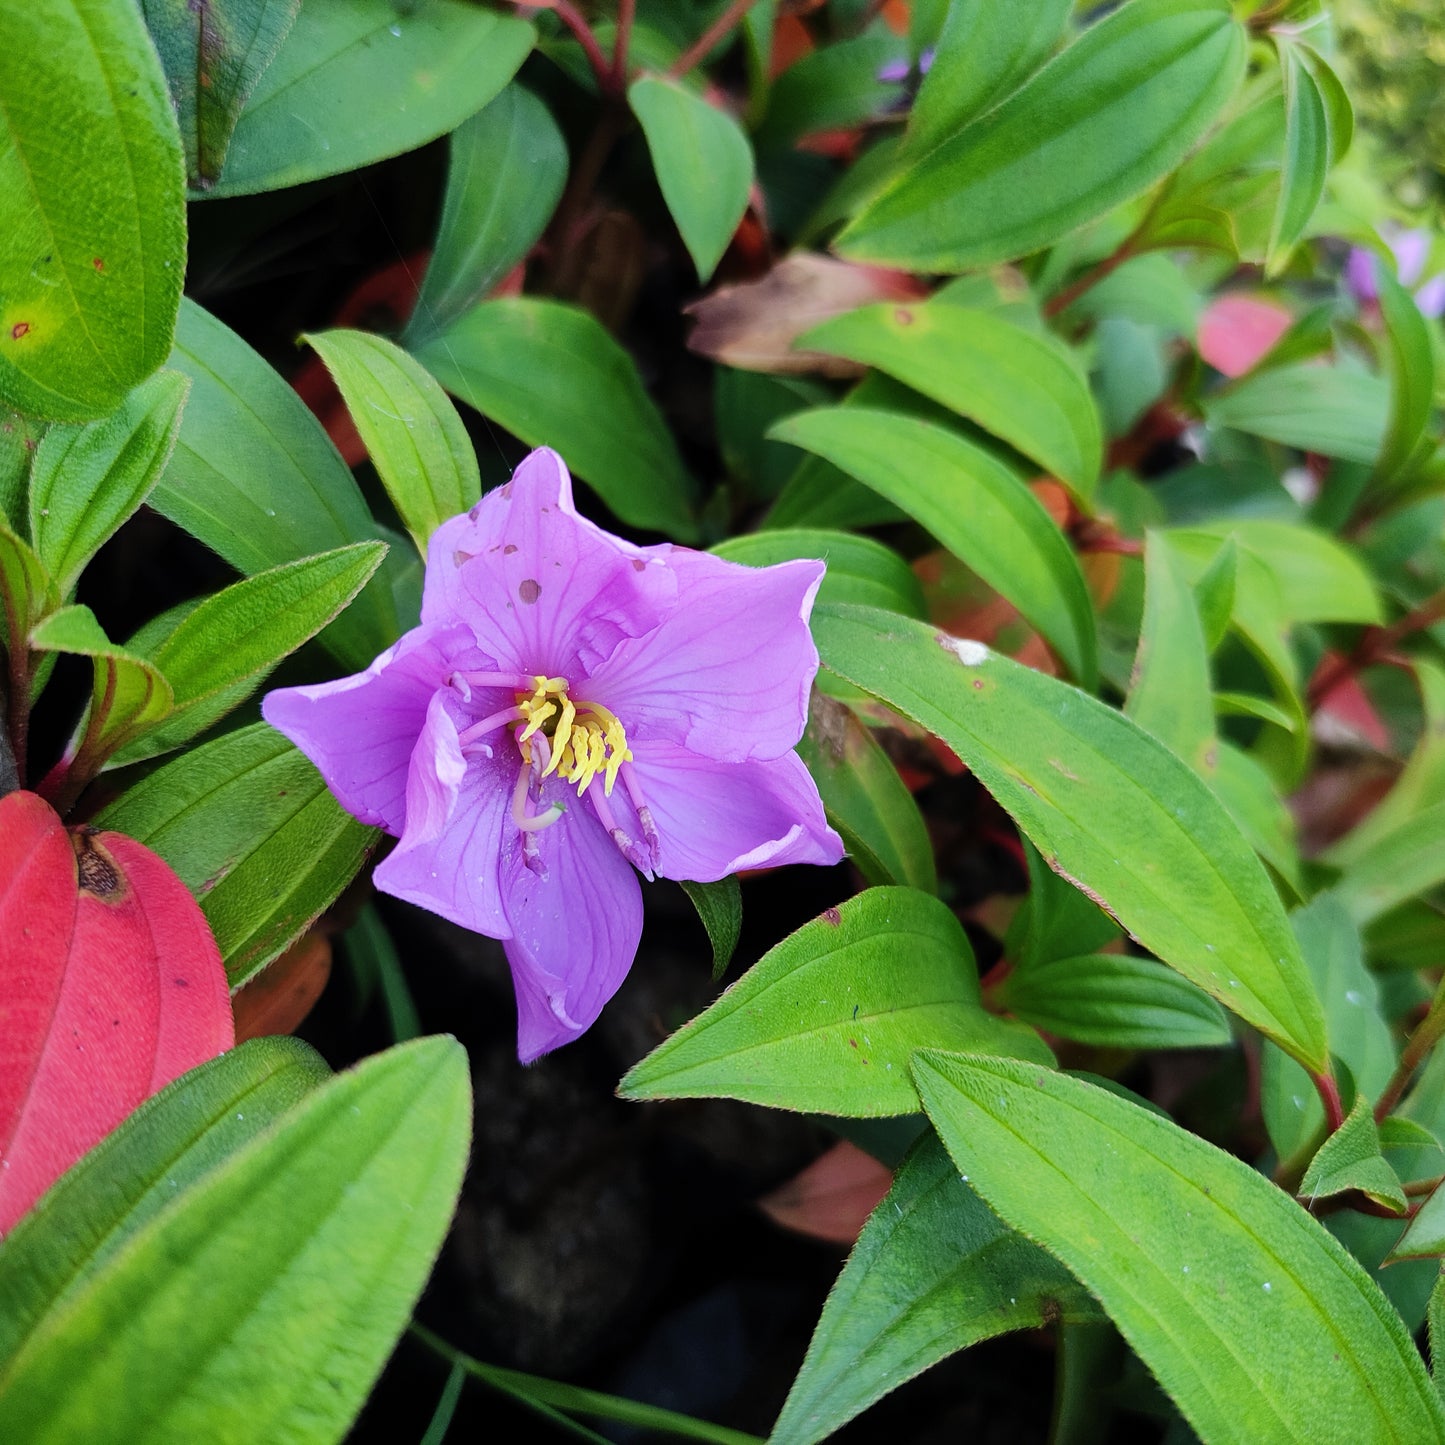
<point x="1236" y="331"/>
<point x="832" y="1198"/>
<point x="110" y="987"/>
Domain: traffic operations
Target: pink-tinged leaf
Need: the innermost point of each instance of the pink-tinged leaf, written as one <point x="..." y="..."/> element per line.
<point x="110" y="987"/>
<point x="832" y="1198"/>
<point x="1236" y="332"/>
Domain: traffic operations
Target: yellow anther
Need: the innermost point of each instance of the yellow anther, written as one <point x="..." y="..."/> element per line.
<point x="586" y="739"/>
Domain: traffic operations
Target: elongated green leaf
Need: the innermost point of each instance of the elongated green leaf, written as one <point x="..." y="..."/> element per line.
<point x="1307" y="153"/>
<point x="1107" y="806"/>
<point x="92" y="208"/>
<point x="1315" y="408"/>
<point x="866" y="800"/>
<point x="828" y="1019"/>
<point x="1250" y="798"/>
<point x="175" y="1138"/>
<point x="87" y="479"/>
<point x="19" y="436"/>
<point x="551" y="375"/>
<point x="1424" y="1238"/>
<point x="264" y="1302"/>
<point x="412" y="432"/>
<point x="1330" y="943"/>
<point x="1237" y="1300"/>
<point x="1350" y="1159"/>
<point x="976" y="507"/>
<point x="26" y="591"/>
<point x="859" y="569"/>
<point x="223" y="648"/>
<point x="703" y="161"/>
<point x="359" y="80"/>
<point x="1169" y="691"/>
<point x="128" y="695"/>
<point x="1100" y="123"/>
<point x="249" y="826"/>
<point x="1114" y="1001"/>
<point x="984" y="53"/>
<point x="1017" y="384"/>
<point x="720" y="907"/>
<point x="832" y="87"/>
<point x="508" y="167"/>
<point x="256" y="479"/>
<point x="933" y="1272"/>
<point x="213" y="55"/>
<point x="1406" y="861"/>
<point x="1056" y="920"/>
<point x="1412" y="375"/>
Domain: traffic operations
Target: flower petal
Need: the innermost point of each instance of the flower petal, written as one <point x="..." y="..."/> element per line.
<point x="716" y="818"/>
<point x="546" y="589"/>
<point x="575" y="930"/>
<point x="726" y="674"/>
<point x="360" y="730"/>
<point x="457" y="809"/>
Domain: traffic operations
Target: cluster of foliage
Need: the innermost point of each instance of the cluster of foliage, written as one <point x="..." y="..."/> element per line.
<point x="1044" y="330"/>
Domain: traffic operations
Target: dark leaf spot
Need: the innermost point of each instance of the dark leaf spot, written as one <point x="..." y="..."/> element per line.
<point x="98" y="263"/>
<point x="903" y="316"/>
<point x="21" y="328"/>
<point x="831" y="915"/>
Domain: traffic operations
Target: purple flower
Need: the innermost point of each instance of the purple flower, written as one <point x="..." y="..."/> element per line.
<point x="573" y="707"/>
<point x="1411" y="249"/>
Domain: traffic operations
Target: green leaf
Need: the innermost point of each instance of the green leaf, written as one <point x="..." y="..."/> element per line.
<point x="411" y="430"/>
<point x="1056" y="920"/>
<point x="223" y="648"/>
<point x="830" y="88"/>
<point x="1323" y="409"/>
<point x="255" y="477"/>
<point x="174" y="1139"/>
<point x="263" y="1303"/>
<point x="508" y="166"/>
<point x="26" y="591"/>
<point x="377" y="967"/>
<point x="859" y="569"/>
<point x="720" y="907"/>
<point x="1436" y="1317"/>
<point x="933" y="1272"/>
<point x="1408" y="860"/>
<point x="1424" y="1237"/>
<point x="1307" y="152"/>
<point x="92" y="209"/>
<point x="19" y="437"/>
<point x="976" y="507"/>
<point x="88" y="479"/>
<point x="1412" y="376"/>
<point x="1350" y="1159"/>
<point x="248" y="824"/>
<point x="865" y="799"/>
<point x="552" y="376"/>
<point x="1099" y="124"/>
<point x="1109" y="807"/>
<point x="703" y="161"/>
<point x="1239" y="1303"/>
<point x="826" y="1021"/>
<point x="1358" y="1034"/>
<point x="1018" y="384"/>
<point x="1249" y="797"/>
<point x="1214" y="594"/>
<point x="1169" y="690"/>
<point x="128" y="694"/>
<point x="359" y="80"/>
<point x="213" y="55"/>
<point x="1115" y="1001"/>
<point x="984" y="53"/>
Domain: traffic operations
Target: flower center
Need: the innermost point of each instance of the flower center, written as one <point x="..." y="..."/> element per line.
<point x="583" y="738"/>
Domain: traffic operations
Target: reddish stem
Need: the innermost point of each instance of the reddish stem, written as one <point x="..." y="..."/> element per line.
<point x="1062" y="300"/>
<point x="626" y="9"/>
<point x="1329" y="1093"/>
<point x="727" y="22"/>
<point x="576" y="22"/>
<point x="1374" y="646"/>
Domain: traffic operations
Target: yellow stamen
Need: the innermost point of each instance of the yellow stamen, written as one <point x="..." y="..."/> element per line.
<point x="585" y="738"/>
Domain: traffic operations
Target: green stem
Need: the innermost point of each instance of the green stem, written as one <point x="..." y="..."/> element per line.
<point x="1426" y="1036"/>
<point x="557" y="1395"/>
